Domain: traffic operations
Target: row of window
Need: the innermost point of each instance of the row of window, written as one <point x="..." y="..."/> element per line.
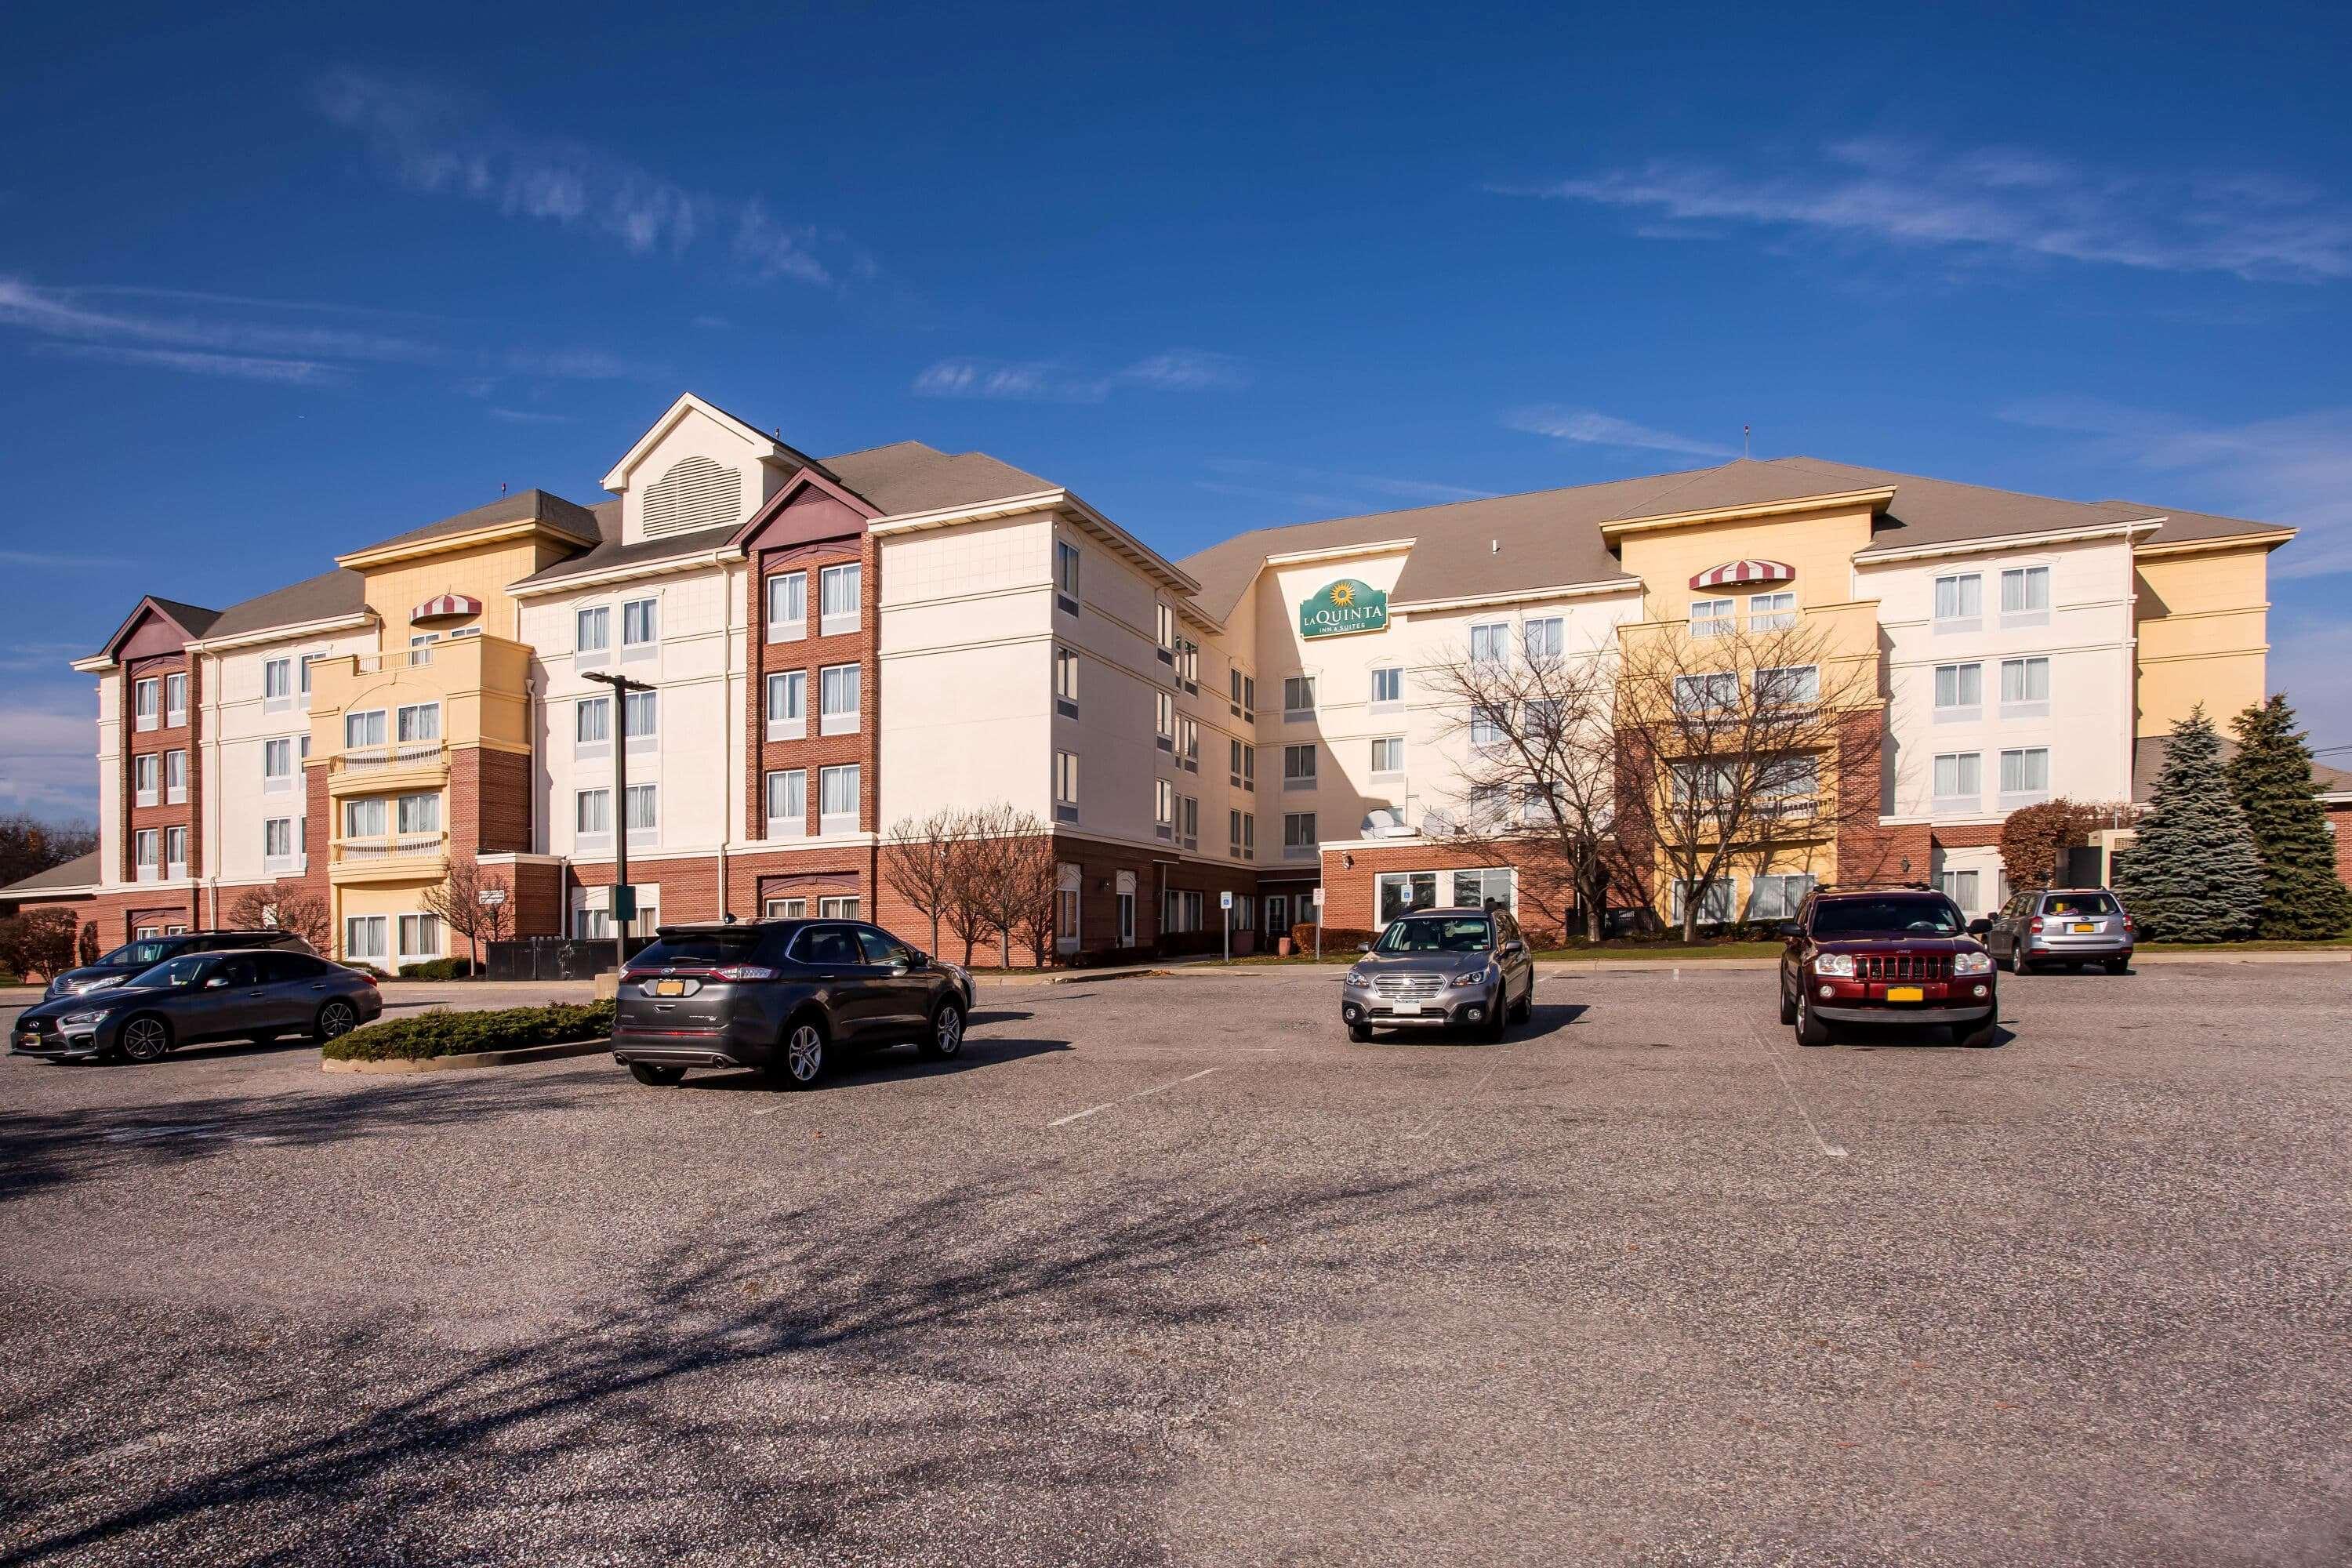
<point x="413" y="724"/>
<point x="157" y="853"/>
<point x="592" y="632"/>
<point x="2024" y="690"/>
<point x="1299" y="692"/>
<point x="281" y="678"/>
<point x="377" y="817"/>
<point x="365" y="936"/>
<point x="1770" y="898"/>
<point x="2024" y="599"/>
<point x="1959" y="779"/>
<point x="592" y="722"/>
<point x="839" y="698"/>
<point x="788" y="802"/>
<point x="1720" y="617"/>
<point x="158" y="778"/>
<point x="159" y="700"/>
<point x="1792" y="686"/>
<point x="592" y="815"/>
<point x="840" y="598"/>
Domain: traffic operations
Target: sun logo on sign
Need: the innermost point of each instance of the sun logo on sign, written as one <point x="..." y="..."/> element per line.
<point x="1342" y="595"/>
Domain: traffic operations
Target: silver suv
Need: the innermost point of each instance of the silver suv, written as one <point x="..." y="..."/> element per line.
<point x="2072" y="926"/>
<point x="1439" y="969"/>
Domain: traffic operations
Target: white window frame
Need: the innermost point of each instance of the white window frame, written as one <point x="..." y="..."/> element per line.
<point x="357" y="725"/>
<point x="600" y="745"/>
<point x="1772" y="612"/>
<point x="370" y="816"/>
<point x="147" y="855"/>
<point x="1066" y="682"/>
<point x="1543" y="639"/>
<point x="787" y="627"/>
<point x="146" y="704"/>
<point x="1805" y="680"/>
<point x="1713" y="617"/>
<point x="147" y="779"/>
<point x="1966" y="584"/>
<point x="648" y="796"/>
<point x="277" y="685"/>
<point x="279" y="782"/>
<point x="412" y="929"/>
<point x="379" y="929"/>
<point x="840" y="906"/>
<point x="1241" y="765"/>
<point x="649" y="737"/>
<point x="834" y="622"/>
<point x="2026" y="705"/>
<point x="175" y="867"/>
<point x="1066" y="786"/>
<point x="588" y="837"/>
<point x="791" y="785"/>
<point x="585" y="653"/>
<point x="1301" y="836"/>
<point x="833" y="821"/>
<point x="834" y="680"/>
<point x="1714" y="691"/>
<point x="1715" y="905"/>
<point x="1164" y="625"/>
<point x="792" y="725"/>
<point x="1962" y="886"/>
<point x="2024" y="792"/>
<point x="1294" y="687"/>
<point x="1301" y="765"/>
<point x="1490" y="642"/>
<point x="1787" y="889"/>
<point x="784" y="908"/>
<point x="176" y="777"/>
<point x="286" y="858"/>
<point x="1960" y="709"/>
<point x="1164" y="808"/>
<point x="649" y="610"/>
<point x="1388" y="756"/>
<point x="1959" y="797"/>
<point x="175" y="699"/>
<point x="1188" y="744"/>
<point x="411" y="720"/>
<point x="1066" y="559"/>
<point x="302" y="679"/>
<point x="2030" y="582"/>
<point x="1391" y="675"/>
<point x="417" y="813"/>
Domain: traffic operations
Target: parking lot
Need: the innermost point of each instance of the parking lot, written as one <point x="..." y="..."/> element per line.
<point x="1166" y="1271"/>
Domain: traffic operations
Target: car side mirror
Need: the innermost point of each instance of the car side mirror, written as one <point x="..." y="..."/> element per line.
<point x="1979" y="927"/>
<point x="1363" y="947"/>
<point x="218" y="982"/>
<point x="1789" y="931"/>
<point x="1515" y="947"/>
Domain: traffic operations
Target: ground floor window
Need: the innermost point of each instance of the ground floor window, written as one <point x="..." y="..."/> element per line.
<point x="420" y="936"/>
<point x="365" y="936"/>
<point x="1067" y="880"/>
<point x="785" y="909"/>
<point x="592" y="925"/>
<point x="1127" y="918"/>
<point x="1777" y="898"/>
<point x="1714" y="907"/>
<point x="1401" y="892"/>
<point x="845" y="908"/>
<point x="1183" y="911"/>
<point x="1277" y="914"/>
<point x="1960" y="887"/>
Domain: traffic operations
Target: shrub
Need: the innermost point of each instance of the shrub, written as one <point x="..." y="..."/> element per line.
<point x="440" y="1034"/>
<point x="359" y="967"/>
<point x="1336" y="938"/>
<point x="438" y="969"/>
<point x="1109" y="957"/>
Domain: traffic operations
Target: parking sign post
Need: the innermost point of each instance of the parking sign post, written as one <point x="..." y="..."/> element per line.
<point x="1318" y="922"/>
<point x="1225" y="902"/>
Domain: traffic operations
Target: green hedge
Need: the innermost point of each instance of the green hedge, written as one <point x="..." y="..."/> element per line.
<point x="440" y="1034"/>
<point x="438" y="969"/>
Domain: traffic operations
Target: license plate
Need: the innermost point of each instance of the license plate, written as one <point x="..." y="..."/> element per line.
<point x="1404" y="1007"/>
<point x="2083" y="928"/>
<point x="669" y="987"/>
<point x="1906" y="993"/>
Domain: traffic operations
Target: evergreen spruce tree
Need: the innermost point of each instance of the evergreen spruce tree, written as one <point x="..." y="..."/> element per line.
<point x="2192" y="874"/>
<point x="2270" y="778"/>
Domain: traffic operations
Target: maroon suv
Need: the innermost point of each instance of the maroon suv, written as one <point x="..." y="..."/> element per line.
<point x="1898" y="956"/>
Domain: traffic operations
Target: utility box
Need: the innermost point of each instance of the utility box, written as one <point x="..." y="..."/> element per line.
<point x="2083" y="866"/>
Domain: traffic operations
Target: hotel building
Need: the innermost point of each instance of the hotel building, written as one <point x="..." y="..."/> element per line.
<point x="837" y="644"/>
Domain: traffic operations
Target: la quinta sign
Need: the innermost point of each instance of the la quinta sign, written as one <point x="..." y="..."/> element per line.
<point x="1343" y="607"/>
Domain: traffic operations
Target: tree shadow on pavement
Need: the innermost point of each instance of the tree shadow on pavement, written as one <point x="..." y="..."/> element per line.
<point x="1007" y="1369"/>
<point x="889" y="1061"/>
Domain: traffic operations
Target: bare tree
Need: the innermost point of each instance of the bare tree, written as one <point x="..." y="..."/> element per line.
<point x="37" y="941"/>
<point x="1036" y="883"/>
<point x="1741" y="745"/>
<point x="989" y="883"/>
<point x="29" y="844"/>
<point x="917" y="862"/>
<point x="965" y="901"/>
<point x="458" y="899"/>
<point x="1539" y="771"/>
<point x="297" y="908"/>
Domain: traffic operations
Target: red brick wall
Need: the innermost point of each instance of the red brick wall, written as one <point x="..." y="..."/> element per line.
<point x="489" y="801"/>
<point x="2339" y="816"/>
<point x="811" y="654"/>
<point x="184" y="737"/>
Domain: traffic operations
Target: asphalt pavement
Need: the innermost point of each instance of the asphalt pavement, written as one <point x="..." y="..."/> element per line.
<point x="1165" y="1271"/>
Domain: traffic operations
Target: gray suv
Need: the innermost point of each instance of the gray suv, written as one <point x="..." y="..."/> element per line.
<point x="783" y="997"/>
<point x="1438" y="969"/>
<point x="2072" y="926"/>
<point x="144" y="954"/>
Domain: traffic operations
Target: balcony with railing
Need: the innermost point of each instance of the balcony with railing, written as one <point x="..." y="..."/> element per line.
<point x="398" y="765"/>
<point x="390" y="857"/>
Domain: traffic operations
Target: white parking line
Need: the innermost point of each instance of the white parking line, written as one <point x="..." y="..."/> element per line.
<point x="1422" y="1133"/>
<point x="1833" y="1151"/>
<point x="1139" y="1094"/>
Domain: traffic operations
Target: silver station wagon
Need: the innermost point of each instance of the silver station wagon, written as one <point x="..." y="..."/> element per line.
<point x="1441" y="969"/>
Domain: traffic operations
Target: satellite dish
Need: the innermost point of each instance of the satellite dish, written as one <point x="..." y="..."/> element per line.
<point x="1384" y="823"/>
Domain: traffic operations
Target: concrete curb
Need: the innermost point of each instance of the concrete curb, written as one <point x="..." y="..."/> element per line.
<point x="1064" y="977"/>
<point x="475" y="1059"/>
<point x="2223" y="955"/>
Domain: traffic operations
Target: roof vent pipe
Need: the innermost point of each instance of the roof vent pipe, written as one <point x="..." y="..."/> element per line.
<point x="1493" y="547"/>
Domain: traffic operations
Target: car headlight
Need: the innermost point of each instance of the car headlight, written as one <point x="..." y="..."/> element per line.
<point x="1359" y="978"/>
<point x="1835" y="963"/>
<point x="1972" y="964"/>
<point x="84" y="1020"/>
<point x="83" y="988"/>
<point x="1473" y="977"/>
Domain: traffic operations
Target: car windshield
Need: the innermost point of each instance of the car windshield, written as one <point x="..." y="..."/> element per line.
<point x="1927" y="916"/>
<point x="171" y="972"/>
<point x="1437" y="933"/>
<point x="698" y="947"/>
<point x="139" y="954"/>
<point x="2078" y="904"/>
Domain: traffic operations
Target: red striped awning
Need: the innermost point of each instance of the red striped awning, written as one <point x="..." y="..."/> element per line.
<point x="1732" y="571"/>
<point x="447" y="608"/>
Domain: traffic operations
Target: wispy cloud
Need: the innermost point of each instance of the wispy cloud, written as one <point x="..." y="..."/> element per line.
<point x="2000" y="201"/>
<point x="1312" y="488"/>
<point x="243" y="345"/>
<point x="1045" y="381"/>
<point x="244" y="367"/>
<point x="527" y="416"/>
<point x="1588" y="428"/>
<point x="439" y="144"/>
<point x="49" y="766"/>
<point x="2297" y="470"/>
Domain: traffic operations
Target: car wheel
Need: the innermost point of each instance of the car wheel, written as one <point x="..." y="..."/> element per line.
<point x="1359" y="1033"/>
<point x="2119" y="966"/>
<point x="1497" y="1015"/>
<point x="802" y="1061"/>
<point x="1788" y="1007"/>
<point x="653" y="1076"/>
<point x="2074" y="966"/>
<point x="1980" y="1036"/>
<point x="337" y="1017"/>
<point x="1810" y="1030"/>
<point x="145" y="1038"/>
<point x="1526" y="1006"/>
<point x="946" y="1040"/>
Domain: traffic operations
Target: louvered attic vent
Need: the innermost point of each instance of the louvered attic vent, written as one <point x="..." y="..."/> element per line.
<point x="695" y="493"/>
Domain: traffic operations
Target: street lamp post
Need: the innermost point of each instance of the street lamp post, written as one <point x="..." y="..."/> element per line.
<point x="622" y="686"/>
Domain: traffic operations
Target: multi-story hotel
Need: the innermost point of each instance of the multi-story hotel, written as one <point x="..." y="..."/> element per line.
<point x="837" y="644"/>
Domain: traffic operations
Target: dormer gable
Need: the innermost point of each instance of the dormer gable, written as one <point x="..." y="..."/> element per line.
<point x="154" y="625"/>
<point x="697" y="468"/>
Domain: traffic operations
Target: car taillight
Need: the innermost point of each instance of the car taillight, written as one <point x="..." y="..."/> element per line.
<point x="742" y="972"/>
<point x="2128" y="926"/>
<point x="2036" y="925"/>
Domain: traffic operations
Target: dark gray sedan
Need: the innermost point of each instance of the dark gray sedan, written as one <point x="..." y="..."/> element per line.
<point x="1438" y="969"/>
<point x="201" y="997"/>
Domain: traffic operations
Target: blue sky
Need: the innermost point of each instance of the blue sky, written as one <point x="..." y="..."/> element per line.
<point x="275" y="284"/>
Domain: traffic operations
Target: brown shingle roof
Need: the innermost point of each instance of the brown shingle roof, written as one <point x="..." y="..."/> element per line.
<point x="553" y="509"/>
<point x="323" y="598"/>
<point x="78" y="872"/>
